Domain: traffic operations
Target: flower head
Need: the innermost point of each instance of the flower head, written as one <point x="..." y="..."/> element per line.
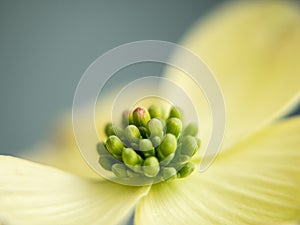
<point x="253" y="49"/>
<point x="148" y="150"/>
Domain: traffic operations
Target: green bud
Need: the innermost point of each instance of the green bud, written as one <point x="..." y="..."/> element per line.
<point x="130" y="118"/>
<point x="140" y="116"/>
<point x="169" y="173"/>
<point x="132" y="174"/>
<point x="186" y="170"/>
<point x="175" y="112"/>
<point x="189" y="146"/>
<point x="155" y="128"/>
<point x="119" y="170"/>
<point x="156" y="112"/>
<point x="179" y="159"/>
<point x="127" y="118"/>
<point x="198" y="143"/>
<point x="191" y="129"/>
<point x="174" y="126"/>
<point x="143" y="131"/>
<point x="106" y="161"/>
<point x="167" y="147"/>
<point x="151" y="167"/>
<point x="132" y="135"/>
<point x="119" y="132"/>
<point x="132" y="160"/>
<point x="109" y="130"/>
<point x="146" y="147"/>
<point x="165" y="161"/>
<point x="184" y="158"/>
<point x="156" y="141"/>
<point x="115" y="146"/>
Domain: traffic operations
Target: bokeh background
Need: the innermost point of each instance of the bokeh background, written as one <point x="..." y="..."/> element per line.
<point x="46" y="45"/>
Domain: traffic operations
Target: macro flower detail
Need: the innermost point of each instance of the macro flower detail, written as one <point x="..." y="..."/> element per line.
<point x="253" y="49"/>
<point x="150" y="146"/>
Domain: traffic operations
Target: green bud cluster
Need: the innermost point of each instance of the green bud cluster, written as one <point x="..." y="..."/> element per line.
<point x="150" y="145"/>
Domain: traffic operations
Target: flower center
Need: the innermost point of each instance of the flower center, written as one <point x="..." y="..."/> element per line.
<point x="150" y="145"/>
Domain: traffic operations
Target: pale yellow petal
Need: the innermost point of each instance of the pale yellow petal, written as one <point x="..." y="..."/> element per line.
<point x="33" y="194"/>
<point x="257" y="183"/>
<point x="61" y="151"/>
<point x="291" y="223"/>
<point x="253" y="49"/>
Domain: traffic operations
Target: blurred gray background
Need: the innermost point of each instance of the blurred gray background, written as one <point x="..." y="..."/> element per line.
<point x="45" y="46"/>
